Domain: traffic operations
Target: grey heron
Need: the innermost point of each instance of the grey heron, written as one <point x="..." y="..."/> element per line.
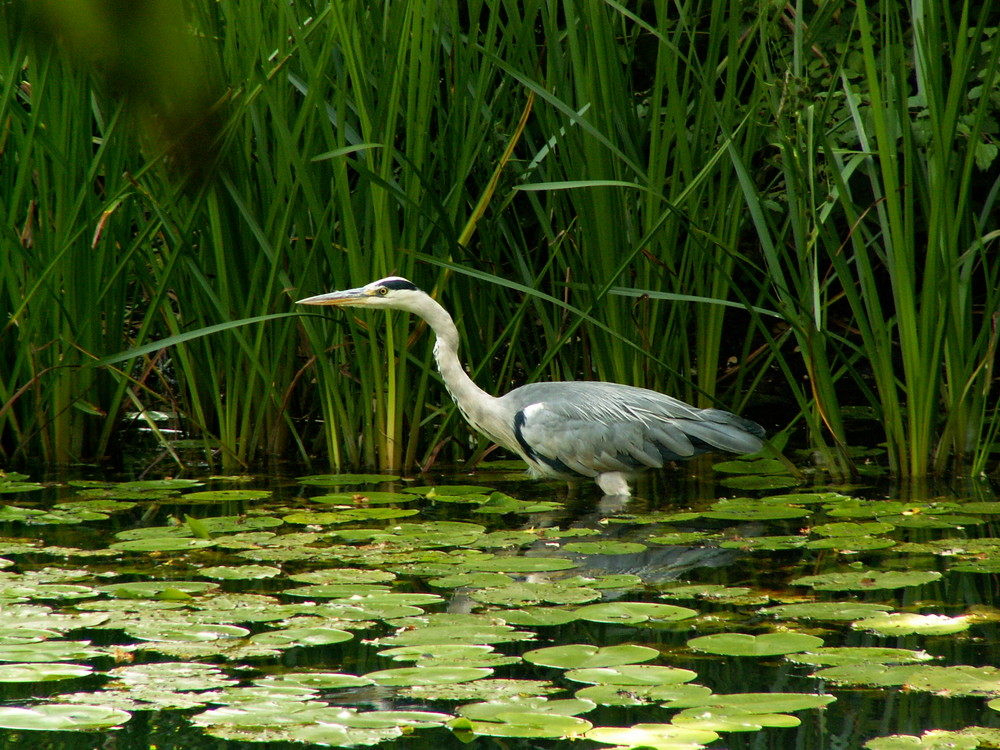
<point x="566" y="430"/>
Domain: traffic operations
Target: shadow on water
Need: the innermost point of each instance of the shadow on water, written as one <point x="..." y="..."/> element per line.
<point x="717" y="609"/>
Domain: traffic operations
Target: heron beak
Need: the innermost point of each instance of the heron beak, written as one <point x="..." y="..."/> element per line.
<point x="347" y="297"/>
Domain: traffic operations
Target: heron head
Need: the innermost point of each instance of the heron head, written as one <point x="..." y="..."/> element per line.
<point x="391" y="292"/>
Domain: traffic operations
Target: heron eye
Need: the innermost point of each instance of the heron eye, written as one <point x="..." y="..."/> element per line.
<point x="383" y="291"/>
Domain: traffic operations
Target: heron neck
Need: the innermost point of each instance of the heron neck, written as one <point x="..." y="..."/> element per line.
<point x="472" y="400"/>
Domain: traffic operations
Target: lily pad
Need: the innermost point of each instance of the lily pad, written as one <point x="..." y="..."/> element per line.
<point x="867" y="580"/>
<point x="62" y="717"/>
<point x="632" y="674"/>
<point x="743" y="644"/>
<point x="667" y="736"/>
<point x="579" y="656"/>
<point x="406" y="676"/>
<point x="42" y="672"/>
<point x="633" y="613"/>
<point x="906" y="623"/>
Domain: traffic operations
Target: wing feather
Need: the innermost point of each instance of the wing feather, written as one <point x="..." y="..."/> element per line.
<point x="590" y="428"/>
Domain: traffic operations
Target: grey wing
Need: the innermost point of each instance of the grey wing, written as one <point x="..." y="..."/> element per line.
<point x="589" y="428"/>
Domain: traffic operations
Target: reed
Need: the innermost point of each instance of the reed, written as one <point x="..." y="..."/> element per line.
<point x="700" y="196"/>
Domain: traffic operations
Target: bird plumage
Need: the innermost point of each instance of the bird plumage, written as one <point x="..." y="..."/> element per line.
<point x="568" y="429"/>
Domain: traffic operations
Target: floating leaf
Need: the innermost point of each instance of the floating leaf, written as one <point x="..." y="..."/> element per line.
<point x="742" y="644"/>
<point x="181" y="632"/>
<point x="289" y="637"/>
<point x="539" y="616"/>
<point x="633" y="613"/>
<point x="42" y="672"/>
<point x="827" y="610"/>
<point x="836" y="656"/>
<point x="363" y="498"/>
<point x="49" y="651"/>
<point x="240" y="572"/>
<point x="517" y="594"/>
<point x="427" y="675"/>
<point x="667" y="736"/>
<point x="632" y="674"/>
<point x="905" y="623"/>
<point x="579" y="656"/>
<point x="605" y="548"/>
<point x="848" y="528"/>
<point x="162" y="544"/>
<point x="62" y="717"/>
<point x="217" y="496"/>
<point x="523" y="564"/>
<point x="319" y="518"/>
<point x="868" y="579"/>
<point x="530" y="724"/>
<point x="766" y="543"/>
<point x="316" y="680"/>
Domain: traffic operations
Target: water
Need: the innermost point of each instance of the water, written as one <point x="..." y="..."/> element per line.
<point x="321" y="610"/>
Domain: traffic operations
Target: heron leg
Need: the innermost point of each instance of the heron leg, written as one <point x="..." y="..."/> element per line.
<point x="613" y="483"/>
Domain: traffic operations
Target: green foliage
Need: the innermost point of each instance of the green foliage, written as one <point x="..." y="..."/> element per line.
<point x="597" y="191"/>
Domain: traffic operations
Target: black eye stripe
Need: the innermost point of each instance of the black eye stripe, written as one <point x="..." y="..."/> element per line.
<point x="399" y="284"/>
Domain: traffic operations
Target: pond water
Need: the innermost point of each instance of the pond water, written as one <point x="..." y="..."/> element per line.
<point x="727" y="606"/>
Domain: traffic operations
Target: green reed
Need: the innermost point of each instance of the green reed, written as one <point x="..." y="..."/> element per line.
<point x="595" y="190"/>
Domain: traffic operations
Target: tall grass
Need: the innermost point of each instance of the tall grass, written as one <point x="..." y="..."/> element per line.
<point x="596" y="190"/>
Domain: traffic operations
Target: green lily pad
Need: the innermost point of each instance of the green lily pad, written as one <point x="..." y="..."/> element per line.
<point x="935" y="739"/>
<point x="61" y="717"/>
<point x="49" y="651"/>
<point x="363" y="498"/>
<point x="723" y="719"/>
<point x="42" y="672"/>
<point x="518" y="594"/>
<point x="679" y="695"/>
<point x="240" y="572"/>
<point x="496" y="710"/>
<point x="583" y="655"/>
<point x="605" y="548"/>
<point x="852" y="528"/>
<point x="162" y="544"/>
<point x="320" y="518"/>
<point x="633" y="613"/>
<point x="217" y="496"/>
<point x="851" y="544"/>
<point x="765" y="543"/>
<point x="742" y="644"/>
<point x="827" y="610"/>
<point x="751" y="511"/>
<point x="315" y="680"/>
<point x="666" y="736"/>
<point x="538" y="616"/>
<point x="159" y="589"/>
<point x="868" y="579"/>
<point x="407" y="676"/>
<point x="832" y="656"/>
<point x="289" y="637"/>
<point x="181" y="632"/>
<point x="905" y="623"/>
<point x="525" y="724"/>
<point x="485" y="634"/>
<point x="631" y="674"/>
<point x="522" y="564"/>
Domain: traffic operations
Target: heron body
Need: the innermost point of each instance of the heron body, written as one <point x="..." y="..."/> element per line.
<point x="570" y="429"/>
